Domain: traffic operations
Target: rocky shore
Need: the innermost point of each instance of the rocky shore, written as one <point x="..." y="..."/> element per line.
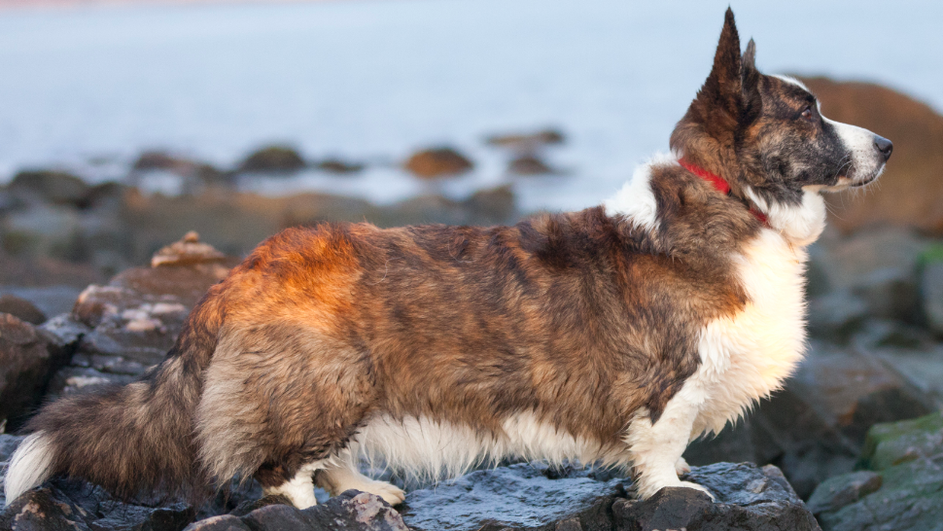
<point x="93" y="290"/>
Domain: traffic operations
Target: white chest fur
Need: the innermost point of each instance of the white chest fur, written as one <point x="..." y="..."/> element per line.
<point x="748" y="355"/>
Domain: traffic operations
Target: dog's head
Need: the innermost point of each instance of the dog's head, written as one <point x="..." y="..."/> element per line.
<point x="766" y="136"/>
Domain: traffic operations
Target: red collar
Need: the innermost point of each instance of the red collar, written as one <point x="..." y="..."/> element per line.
<point x="721" y="185"/>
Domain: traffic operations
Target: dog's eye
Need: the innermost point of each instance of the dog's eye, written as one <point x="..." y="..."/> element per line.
<point x="807" y="114"/>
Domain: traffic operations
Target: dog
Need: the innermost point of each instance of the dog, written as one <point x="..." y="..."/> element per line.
<point x="613" y="335"/>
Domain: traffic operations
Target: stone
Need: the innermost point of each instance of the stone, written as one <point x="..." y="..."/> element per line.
<point x="50" y="186"/>
<point x="22" y="309"/>
<point x="837" y="492"/>
<point x="527" y="142"/>
<point x="437" y="162"/>
<point x="28" y="358"/>
<point x="51" y="300"/>
<point x="529" y="165"/>
<point x="339" y="166"/>
<point x="128" y="325"/>
<point x="913" y="173"/>
<point x="931" y="296"/>
<point x="528" y="496"/>
<point x="273" y="159"/>
<point x="348" y="511"/>
<point x="745" y="497"/>
<point x="837" y="315"/>
<point x="907" y="456"/>
<point x="75" y="505"/>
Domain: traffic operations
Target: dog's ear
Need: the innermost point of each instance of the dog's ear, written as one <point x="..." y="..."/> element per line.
<point x="751" y="103"/>
<point x="723" y="86"/>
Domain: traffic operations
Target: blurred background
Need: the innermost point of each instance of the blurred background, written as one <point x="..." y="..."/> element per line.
<point x="125" y="124"/>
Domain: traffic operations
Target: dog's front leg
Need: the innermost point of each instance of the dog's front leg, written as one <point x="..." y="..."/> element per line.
<point x="656" y="448"/>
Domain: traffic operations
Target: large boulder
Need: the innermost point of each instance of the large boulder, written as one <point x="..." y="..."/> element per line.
<point x="28" y="358"/>
<point x="913" y="172"/>
<point x="901" y="486"/>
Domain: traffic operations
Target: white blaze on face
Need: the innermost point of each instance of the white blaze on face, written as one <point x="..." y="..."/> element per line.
<point x="866" y="162"/>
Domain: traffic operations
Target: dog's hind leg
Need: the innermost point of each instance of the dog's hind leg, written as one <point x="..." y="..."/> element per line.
<point x="346" y="476"/>
<point x="299" y="489"/>
<point x="656" y="448"/>
<point x="280" y="404"/>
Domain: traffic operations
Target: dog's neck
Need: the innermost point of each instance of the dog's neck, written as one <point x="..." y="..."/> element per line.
<point x="721" y="185"/>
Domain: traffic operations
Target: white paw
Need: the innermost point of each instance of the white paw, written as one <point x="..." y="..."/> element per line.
<point x="682" y="467"/>
<point x="391" y="494"/>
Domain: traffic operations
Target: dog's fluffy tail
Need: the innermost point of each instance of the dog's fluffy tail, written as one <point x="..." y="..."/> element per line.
<point x="129" y="439"/>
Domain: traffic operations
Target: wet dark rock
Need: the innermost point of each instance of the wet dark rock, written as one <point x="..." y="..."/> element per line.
<point x="529" y="165"/>
<point x="351" y="510"/>
<point x="55" y="187"/>
<point x="71" y="505"/>
<point x="273" y="159"/>
<point x="437" y="162"/>
<point x="22" y="309"/>
<point x="528" y="496"/>
<point x="907" y="456"/>
<point x="339" y="166"/>
<point x="28" y="358"/>
<point x="746" y="497"/>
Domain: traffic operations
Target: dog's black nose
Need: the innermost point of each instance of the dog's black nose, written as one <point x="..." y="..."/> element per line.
<point x="884" y="145"/>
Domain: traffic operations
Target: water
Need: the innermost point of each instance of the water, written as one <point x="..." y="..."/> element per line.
<point x="88" y="88"/>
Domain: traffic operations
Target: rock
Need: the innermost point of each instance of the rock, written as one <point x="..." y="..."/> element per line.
<point x="931" y="296"/>
<point x="529" y="165"/>
<point x="44" y="229"/>
<point x="746" y="497"/>
<point x="913" y="172"/>
<point x="75" y="505"/>
<point x="194" y="173"/>
<point x="437" y="162"/>
<point x="50" y="300"/>
<point x="350" y="510"/>
<point x="188" y="250"/>
<point x="836" y="315"/>
<point x="54" y="187"/>
<point x="339" y="166"/>
<point x="908" y="458"/>
<point x="28" y="358"/>
<point x="527" y="142"/>
<point x="129" y="324"/>
<point x="837" y="492"/>
<point x="22" y="309"/>
<point x="529" y="496"/>
<point x="273" y="159"/>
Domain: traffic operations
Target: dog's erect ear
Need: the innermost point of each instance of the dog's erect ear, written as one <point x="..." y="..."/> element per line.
<point x="722" y="88"/>
<point x="751" y="103"/>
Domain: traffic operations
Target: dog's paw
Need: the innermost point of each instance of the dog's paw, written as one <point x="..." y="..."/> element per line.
<point x="391" y="494"/>
<point x="682" y="467"/>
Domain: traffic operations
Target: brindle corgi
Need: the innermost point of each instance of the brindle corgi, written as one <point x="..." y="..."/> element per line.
<point x="613" y="335"/>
